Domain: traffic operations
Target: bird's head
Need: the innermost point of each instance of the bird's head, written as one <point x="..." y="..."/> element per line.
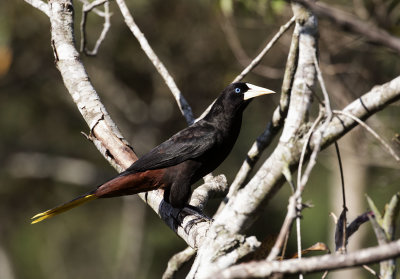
<point x="234" y="99"/>
<point x="238" y="95"/>
<point x="246" y="91"/>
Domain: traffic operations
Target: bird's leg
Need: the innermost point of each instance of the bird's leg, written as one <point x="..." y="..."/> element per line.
<point x="177" y="195"/>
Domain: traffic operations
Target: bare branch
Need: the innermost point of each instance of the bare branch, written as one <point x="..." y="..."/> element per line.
<point x="177" y="261"/>
<point x="181" y="101"/>
<point x="214" y="186"/>
<point x="264" y="269"/>
<point x="350" y="23"/>
<point x="258" y="58"/>
<point x="293" y="201"/>
<point x="273" y="127"/>
<point x="88" y="7"/>
<point x="104" y="132"/>
<point x="285" y="229"/>
<point x="240" y="53"/>
<point x="243" y="206"/>
<point x="95" y="10"/>
<point x="365" y="106"/>
<point x="302" y="180"/>
<point x="375" y="134"/>
<point x="40" y="5"/>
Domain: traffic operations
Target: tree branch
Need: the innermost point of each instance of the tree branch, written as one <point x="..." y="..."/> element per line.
<point x="104" y="132"/>
<point x="40" y="5"/>
<point x="265" y="269"/>
<point x="371" y="102"/>
<point x="258" y="58"/>
<point x="240" y="53"/>
<point x="88" y="7"/>
<point x="177" y="261"/>
<point x="274" y="126"/>
<point x="181" y="101"/>
<point x="372" y="132"/>
<point x="243" y="206"/>
<point x="351" y="23"/>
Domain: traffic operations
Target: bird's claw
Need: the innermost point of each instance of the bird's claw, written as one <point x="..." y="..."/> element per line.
<point x="189" y="210"/>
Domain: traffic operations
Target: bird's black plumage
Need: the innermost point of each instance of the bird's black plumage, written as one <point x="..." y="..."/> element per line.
<point x="183" y="159"/>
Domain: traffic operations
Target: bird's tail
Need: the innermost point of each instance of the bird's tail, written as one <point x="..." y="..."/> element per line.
<point x="64" y="207"/>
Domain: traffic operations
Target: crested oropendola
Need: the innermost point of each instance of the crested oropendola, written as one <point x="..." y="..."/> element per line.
<point x="181" y="160"/>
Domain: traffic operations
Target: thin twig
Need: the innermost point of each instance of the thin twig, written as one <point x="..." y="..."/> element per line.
<point x="95" y="10"/>
<point x="181" y="101"/>
<point x="40" y="5"/>
<point x="302" y="179"/>
<point x="370" y="270"/>
<point x="104" y="132"/>
<point x="292" y="212"/>
<point x="176" y="262"/>
<point x="240" y="53"/>
<point x="350" y="23"/>
<point x="324" y="92"/>
<point x="258" y="58"/>
<point x="273" y="127"/>
<point x="283" y="234"/>
<point x="298" y="233"/>
<point x="106" y="26"/>
<point x="301" y="182"/>
<point x="369" y="129"/>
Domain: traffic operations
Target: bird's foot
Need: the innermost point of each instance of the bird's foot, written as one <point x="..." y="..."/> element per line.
<point x="193" y="211"/>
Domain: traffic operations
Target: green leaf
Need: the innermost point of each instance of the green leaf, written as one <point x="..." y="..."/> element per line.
<point x="391" y="213"/>
<point x="378" y="216"/>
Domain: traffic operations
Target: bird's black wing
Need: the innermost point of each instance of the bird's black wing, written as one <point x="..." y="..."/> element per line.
<point x="189" y="143"/>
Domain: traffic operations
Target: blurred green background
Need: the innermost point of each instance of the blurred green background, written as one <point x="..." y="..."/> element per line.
<point x="45" y="160"/>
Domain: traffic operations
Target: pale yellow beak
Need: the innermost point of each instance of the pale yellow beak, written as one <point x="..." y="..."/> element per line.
<point x="255" y="91"/>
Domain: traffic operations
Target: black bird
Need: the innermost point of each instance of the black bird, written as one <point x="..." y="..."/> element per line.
<point x="183" y="159"/>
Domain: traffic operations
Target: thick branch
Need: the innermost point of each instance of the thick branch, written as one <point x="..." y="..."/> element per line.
<point x="240" y="211"/>
<point x="104" y="132"/>
<point x="264" y="269"/>
<point x="274" y="126"/>
<point x="362" y="108"/>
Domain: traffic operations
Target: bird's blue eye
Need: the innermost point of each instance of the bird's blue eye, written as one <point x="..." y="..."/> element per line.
<point x="238" y="90"/>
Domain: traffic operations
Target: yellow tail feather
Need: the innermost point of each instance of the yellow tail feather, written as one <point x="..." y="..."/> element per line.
<point x="60" y="209"/>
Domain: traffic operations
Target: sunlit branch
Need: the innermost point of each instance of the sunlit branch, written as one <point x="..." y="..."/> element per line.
<point x="372" y="132"/>
<point x="263" y="269"/>
<point x="176" y="262"/>
<point x="40" y="5"/>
